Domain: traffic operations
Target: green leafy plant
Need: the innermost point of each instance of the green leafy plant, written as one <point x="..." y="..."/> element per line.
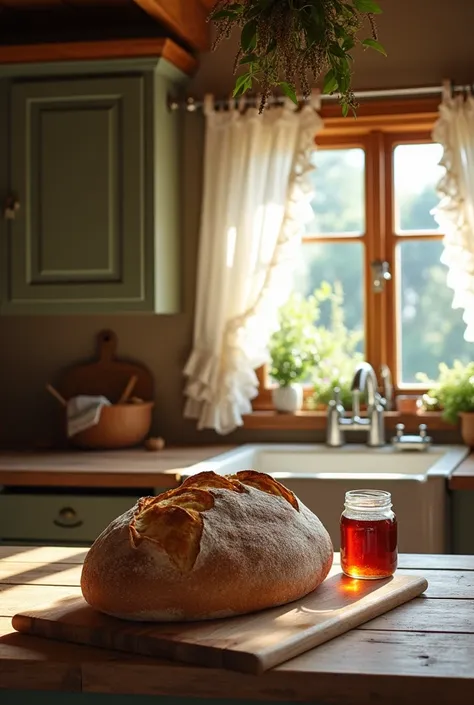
<point x="285" y="43"/>
<point x="292" y="347"/>
<point x="304" y="350"/>
<point x="338" y="351"/>
<point x="453" y="391"/>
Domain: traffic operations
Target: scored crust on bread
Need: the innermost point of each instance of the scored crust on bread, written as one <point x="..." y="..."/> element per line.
<point x="213" y="547"/>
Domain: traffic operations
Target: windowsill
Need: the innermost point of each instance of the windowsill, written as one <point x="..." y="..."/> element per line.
<point x="310" y="420"/>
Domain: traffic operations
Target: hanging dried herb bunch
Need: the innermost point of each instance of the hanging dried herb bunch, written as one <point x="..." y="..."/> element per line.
<point x="290" y="44"/>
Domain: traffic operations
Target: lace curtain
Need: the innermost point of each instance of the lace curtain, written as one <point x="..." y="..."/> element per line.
<point x="256" y="201"/>
<point x="454" y="130"/>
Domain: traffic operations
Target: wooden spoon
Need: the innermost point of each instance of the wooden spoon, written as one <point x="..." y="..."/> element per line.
<point x="128" y="389"/>
<point x="54" y="392"/>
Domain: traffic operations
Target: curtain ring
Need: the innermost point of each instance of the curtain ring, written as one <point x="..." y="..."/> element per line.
<point x="447" y="89"/>
<point x="231" y="102"/>
<point x="315" y="99"/>
<point x="208" y="104"/>
<point x="288" y="104"/>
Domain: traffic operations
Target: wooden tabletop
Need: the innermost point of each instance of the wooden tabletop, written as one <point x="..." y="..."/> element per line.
<point x="422" y="651"/>
<point x="118" y="468"/>
<point x="463" y="477"/>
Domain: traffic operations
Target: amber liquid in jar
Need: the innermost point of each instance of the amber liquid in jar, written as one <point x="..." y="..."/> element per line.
<point x="368" y="535"/>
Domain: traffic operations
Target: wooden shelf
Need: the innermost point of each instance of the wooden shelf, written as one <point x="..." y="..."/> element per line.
<point x="100" y="50"/>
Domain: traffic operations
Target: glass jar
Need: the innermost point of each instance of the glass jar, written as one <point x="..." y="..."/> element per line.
<point x="368" y="535"/>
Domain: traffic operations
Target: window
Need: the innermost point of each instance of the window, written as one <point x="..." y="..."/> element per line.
<point x="375" y="185"/>
<point x="428" y="330"/>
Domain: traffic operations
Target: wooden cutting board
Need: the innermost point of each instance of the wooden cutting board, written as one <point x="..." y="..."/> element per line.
<point x="107" y="376"/>
<point x="250" y="643"/>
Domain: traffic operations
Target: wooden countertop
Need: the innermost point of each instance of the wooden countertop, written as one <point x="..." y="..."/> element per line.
<point x="463" y="477"/>
<point x="422" y="651"/>
<point x="120" y="468"/>
<point x="132" y="468"/>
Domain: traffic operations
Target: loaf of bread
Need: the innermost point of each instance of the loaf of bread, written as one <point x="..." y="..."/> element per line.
<point x="214" y="547"/>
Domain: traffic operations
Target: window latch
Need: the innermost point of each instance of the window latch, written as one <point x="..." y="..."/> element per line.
<point x="380" y="275"/>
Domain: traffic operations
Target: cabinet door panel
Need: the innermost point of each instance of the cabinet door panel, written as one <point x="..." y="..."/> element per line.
<point x="77" y="167"/>
<point x="89" y="165"/>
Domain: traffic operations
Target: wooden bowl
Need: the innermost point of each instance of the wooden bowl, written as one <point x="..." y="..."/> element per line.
<point x="120" y="426"/>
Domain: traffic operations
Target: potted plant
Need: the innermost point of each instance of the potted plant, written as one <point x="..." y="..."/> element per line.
<point x="292" y="351"/>
<point x="453" y="393"/>
<point x="287" y="44"/>
<point x="338" y="350"/>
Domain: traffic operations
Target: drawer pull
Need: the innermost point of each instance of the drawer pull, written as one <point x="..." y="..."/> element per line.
<point x="68" y="519"/>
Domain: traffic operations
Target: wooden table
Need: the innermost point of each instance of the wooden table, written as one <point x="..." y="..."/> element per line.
<point x="420" y="652"/>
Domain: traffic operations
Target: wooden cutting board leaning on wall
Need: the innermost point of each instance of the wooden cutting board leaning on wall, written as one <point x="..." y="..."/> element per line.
<point x="250" y="643"/>
<point x="107" y="375"/>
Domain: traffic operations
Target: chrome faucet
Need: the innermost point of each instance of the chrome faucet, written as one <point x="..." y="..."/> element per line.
<point x="387" y="387"/>
<point x="364" y="380"/>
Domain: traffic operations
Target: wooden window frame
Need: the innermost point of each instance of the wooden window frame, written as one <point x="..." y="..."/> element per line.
<point x="379" y="127"/>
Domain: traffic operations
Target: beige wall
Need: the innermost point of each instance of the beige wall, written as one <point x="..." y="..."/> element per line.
<point x="426" y="40"/>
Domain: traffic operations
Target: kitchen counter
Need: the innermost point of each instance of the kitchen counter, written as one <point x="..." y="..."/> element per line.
<point x="463" y="477"/>
<point x="422" y="651"/>
<point x="132" y="468"/>
<point x="119" y="468"/>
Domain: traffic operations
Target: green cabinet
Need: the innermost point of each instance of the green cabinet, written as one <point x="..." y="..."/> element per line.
<point x="62" y="517"/>
<point x="462" y="510"/>
<point x="92" y="159"/>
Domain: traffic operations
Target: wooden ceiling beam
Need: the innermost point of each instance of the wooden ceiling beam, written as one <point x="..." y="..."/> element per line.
<point x="186" y="18"/>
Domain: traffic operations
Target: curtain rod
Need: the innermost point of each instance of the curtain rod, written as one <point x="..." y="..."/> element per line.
<point x="191" y="105"/>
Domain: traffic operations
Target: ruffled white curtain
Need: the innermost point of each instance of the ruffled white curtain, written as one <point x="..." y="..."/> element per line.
<point x="454" y="130"/>
<point x="257" y="193"/>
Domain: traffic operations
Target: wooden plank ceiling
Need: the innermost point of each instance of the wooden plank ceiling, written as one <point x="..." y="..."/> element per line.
<point x="72" y="20"/>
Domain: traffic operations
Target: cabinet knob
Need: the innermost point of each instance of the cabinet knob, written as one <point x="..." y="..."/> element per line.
<point x="68" y="518"/>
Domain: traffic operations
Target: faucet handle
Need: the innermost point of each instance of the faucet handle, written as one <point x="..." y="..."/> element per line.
<point x="400" y="427"/>
<point x="380" y="401"/>
<point x="422" y="429"/>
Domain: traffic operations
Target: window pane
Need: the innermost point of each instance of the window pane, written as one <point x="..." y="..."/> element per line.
<point x="341" y="264"/>
<point x="339" y="200"/>
<point x="430" y="331"/>
<point x="416" y="175"/>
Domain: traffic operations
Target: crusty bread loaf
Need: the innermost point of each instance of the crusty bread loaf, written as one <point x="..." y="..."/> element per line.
<point x="214" y="547"/>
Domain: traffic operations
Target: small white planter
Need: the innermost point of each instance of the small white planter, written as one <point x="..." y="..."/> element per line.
<point x="288" y="399"/>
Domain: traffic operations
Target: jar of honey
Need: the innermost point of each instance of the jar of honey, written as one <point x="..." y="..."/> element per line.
<point x="368" y="535"/>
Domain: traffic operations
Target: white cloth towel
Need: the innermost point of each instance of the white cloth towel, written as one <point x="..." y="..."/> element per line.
<point x="83" y="412"/>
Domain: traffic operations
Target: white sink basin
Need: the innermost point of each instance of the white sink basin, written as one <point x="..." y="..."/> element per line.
<point x="350" y="461"/>
<point x="320" y="476"/>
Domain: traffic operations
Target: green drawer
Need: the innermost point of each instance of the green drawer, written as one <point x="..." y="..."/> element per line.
<point x="58" y="518"/>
